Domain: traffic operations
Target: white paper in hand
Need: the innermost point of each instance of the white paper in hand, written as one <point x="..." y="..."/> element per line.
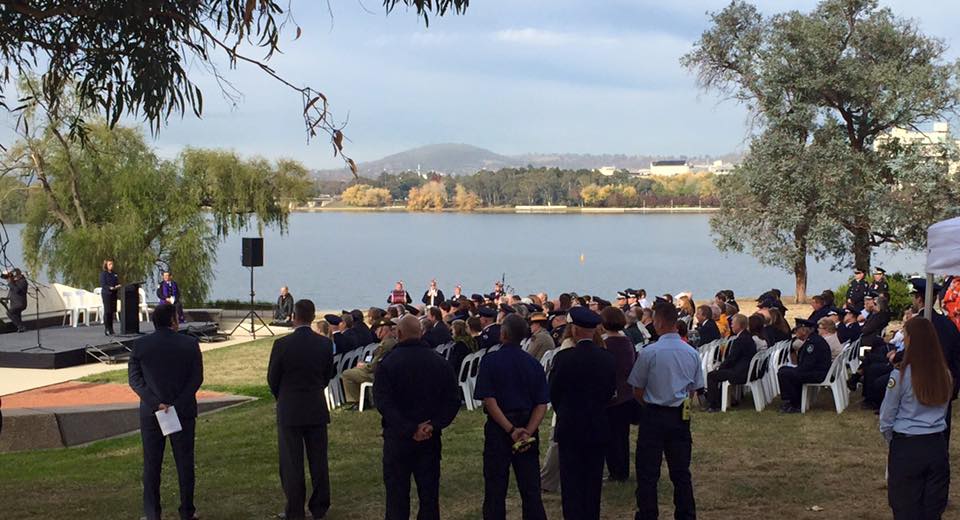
<point x="169" y="421"/>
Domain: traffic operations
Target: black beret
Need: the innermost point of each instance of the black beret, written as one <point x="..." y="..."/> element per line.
<point x="332" y="319"/>
<point x="487" y="312"/>
<point x="805" y="323"/>
<point x="506" y="309"/>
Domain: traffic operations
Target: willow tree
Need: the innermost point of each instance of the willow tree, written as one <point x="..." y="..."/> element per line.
<point x="861" y="70"/>
<point x="110" y="196"/>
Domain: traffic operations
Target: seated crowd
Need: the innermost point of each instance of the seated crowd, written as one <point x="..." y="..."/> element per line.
<point x="604" y="366"/>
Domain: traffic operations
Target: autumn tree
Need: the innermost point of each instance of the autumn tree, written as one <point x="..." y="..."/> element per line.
<point x="366" y="196"/>
<point x="430" y="197"/>
<point x="465" y="200"/>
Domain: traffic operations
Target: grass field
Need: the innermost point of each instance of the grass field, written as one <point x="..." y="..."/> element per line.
<point x="745" y="465"/>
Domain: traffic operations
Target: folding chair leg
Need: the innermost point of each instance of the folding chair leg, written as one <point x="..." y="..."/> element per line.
<point x="724" y="395"/>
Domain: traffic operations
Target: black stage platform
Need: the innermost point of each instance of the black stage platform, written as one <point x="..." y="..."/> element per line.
<point x="68" y="346"/>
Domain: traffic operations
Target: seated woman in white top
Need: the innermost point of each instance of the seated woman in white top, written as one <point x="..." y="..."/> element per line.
<point x="913" y="421"/>
<point x="827" y="329"/>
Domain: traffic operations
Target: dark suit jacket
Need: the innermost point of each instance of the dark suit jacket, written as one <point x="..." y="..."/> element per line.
<point x="437" y="335"/>
<point x="17" y="293"/>
<point x="166" y="367"/>
<point x="815" y="316"/>
<point x="708" y="332"/>
<point x="345" y="342"/>
<point x="583" y="381"/>
<point x="436" y="299"/>
<point x="739" y="354"/>
<point x="363" y="335"/>
<point x="873" y="326"/>
<point x="301" y="365"/>
<point x="414" y="384"/>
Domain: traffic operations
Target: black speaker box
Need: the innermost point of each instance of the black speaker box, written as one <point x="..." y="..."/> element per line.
<point x="252" y="252"/>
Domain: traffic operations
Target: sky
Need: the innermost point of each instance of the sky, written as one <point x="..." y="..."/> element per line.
<point x="514" y="76"/>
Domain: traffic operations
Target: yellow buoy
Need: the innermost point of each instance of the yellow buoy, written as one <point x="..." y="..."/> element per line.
<point x="582" y="258"/>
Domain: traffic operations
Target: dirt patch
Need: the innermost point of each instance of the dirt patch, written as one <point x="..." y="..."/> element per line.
<point x="75" y="393"/>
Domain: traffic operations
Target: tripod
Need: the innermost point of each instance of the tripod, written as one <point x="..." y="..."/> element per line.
<point x="252" y="315"/>
<point x="36" y="321"/>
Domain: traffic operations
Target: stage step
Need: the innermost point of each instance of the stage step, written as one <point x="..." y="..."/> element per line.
<point x="110" y="353"/>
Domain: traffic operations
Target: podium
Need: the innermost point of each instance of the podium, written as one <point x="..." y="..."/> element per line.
<point x="130" y="308"/>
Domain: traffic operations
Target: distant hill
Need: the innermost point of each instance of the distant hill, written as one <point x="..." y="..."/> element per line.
<point x="464" y="159"/>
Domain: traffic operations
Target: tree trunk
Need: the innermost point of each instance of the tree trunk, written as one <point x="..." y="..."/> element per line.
<point x="800" y="275"/>
<point x="861" y="248"/>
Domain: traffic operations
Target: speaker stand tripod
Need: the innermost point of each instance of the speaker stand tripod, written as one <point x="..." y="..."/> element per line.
<point x="39" y="346"/>
<point x="252" y="315"/>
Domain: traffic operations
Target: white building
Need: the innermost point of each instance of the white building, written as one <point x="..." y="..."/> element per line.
<point x="669" y="167"/>
<point x="939" y="135"/>
<point x="606" y="171"/>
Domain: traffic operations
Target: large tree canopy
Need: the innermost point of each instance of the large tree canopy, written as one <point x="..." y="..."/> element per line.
<point x="856" y="71"/>
<point x="129" y="57"/>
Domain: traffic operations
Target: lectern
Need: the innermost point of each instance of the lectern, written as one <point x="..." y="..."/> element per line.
<point x="130" y="308"/>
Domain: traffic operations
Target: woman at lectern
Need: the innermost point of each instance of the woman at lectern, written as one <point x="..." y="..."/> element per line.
<point x="109" y="283"/>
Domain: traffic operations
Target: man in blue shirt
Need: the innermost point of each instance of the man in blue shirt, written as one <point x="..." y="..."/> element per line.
<point x="513" y="389"/>
<point x="664" y="377"/>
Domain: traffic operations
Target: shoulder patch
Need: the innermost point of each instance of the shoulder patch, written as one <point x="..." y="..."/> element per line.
<point x="891" y="383"/>
<point x="809" y="349"/>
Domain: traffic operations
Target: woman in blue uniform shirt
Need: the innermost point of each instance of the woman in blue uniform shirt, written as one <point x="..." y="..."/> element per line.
<point x="913" y="420"/>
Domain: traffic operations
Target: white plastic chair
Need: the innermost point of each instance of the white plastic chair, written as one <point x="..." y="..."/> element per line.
<point x="547" y="360"/>
<point x="834" y="381"/>
<point x="363" y="394"/>
<point x="754" y="384"/>
<point x="70" y="310"/>
<point x="144" y="311"/>
<point x="778" y="358"/>
<point x="334" y="392"/>
<point x="464" y="379"/>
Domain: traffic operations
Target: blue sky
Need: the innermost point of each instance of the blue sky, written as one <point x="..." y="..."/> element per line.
<point x="513" y="76"/>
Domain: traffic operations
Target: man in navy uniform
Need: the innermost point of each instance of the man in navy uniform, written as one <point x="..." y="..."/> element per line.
<point x="342" y="343"/>
<point x="857" y="290"/>
<point x="880" y="284"/>
<point x="169" y="292"/>
<point x="582" y="383"/>
<point x="735" y="364"/>
<point x="849" y="328"/>
<point x="513" y="389"/>
<point x="300" y="367"/>
<point x="813" y="363"/>
<point x="665" y="376"/>
<point x="490" y="335"/>
<point x="417" y="395"/>
<point x="16" y="297"/>
<point x="166" y="370"/>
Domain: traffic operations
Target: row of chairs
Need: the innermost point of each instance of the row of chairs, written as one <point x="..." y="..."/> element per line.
<point x="764" y="386"/>
<point x="345" y="361"/>
<point x="86" y="306"/>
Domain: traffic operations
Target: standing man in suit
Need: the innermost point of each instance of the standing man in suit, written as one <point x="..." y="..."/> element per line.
<point x="736" y="363"/>
<point x="417" y="395"/>
<point x="301" y="365"/>
<point x="166" y="370"/>
<point x="583" y="382"/>
<point x="17" y="296"/>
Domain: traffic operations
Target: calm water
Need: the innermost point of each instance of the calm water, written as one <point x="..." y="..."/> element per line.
<point x="343" y="260"/>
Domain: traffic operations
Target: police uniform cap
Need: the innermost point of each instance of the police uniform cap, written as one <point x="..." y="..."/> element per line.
<point x="583" y="317"/>
<point x="412" y="310"/>
<point x="381" y="323"/>
<point x="332" y="319"/>
<point x="831" y="313"/>
<point x="919" y="286"/>
<point x="476" y="297"/>
<point x="506" y="309"/>
<point x="804" y="323"/>
<point x="538" y="316"/>
<point x="879" y="270"/>
<point x="848" y="310"/>
<point x="871" y="295"/>
<point x="533" y="307"/>
<point x="858" y="271"/>
<point x="621" y="295"/>
<point x="556" y="314"/>
<point x="487" y="312"/>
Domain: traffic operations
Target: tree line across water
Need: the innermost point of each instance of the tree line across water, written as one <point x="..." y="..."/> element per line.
<point x="528" y="186"/>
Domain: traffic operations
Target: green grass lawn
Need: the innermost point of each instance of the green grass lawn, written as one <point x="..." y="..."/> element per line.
<point x="745" y="465"/>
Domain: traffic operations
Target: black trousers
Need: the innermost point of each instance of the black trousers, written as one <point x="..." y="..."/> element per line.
<point x="875" y="378"/>
<point x="293" y="441"/>
<point x="15" y="313"/>
<point x="581" y="479"/>
<point x="181" y="443"/>
<point x="403" y="458"/>
<point x="109" y="308"/>
<point x="498" y="457"/>
<point x="664" y="432"/>
<point x="919" y="476"/>
<point x="714" y="378"/>
<point x="792" y="381"/>
<point x="619" y="417"/>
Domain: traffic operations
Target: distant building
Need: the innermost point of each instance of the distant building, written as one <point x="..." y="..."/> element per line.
<point x="669" y="167"/>
<point x="606" y="171"/>
<point x="939" y="135"/>
<point x="720" y="168"/>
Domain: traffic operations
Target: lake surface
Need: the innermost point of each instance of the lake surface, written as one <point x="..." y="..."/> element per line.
<point x="346" y="260"/>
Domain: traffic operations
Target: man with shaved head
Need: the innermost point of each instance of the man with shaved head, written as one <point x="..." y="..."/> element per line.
<point x="417" y="395"/>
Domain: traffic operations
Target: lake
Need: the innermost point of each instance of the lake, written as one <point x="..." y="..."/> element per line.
<point x="346" y="260"/>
